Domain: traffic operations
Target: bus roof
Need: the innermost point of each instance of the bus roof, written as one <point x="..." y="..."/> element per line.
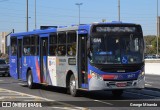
<point x="35" y="32"/>
<point x="69" y="28"/>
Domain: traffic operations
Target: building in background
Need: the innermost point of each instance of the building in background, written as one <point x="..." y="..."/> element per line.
<point x="3" y="42"/>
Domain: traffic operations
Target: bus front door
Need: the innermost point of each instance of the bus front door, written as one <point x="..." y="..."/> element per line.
<point x="82" y="60"/>
<point x="19" y="59"/>
<point x="43" y="59"/>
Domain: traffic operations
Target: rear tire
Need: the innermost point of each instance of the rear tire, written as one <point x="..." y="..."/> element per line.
<point x="117" y="93"/>
<point x="8" y="75"/>
<point x="72" y="86"/>
<point x="30" y="83"/>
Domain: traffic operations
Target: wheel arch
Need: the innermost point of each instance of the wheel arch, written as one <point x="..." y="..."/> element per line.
<point x="28" y="69"/>
<point x="69" y="73"/>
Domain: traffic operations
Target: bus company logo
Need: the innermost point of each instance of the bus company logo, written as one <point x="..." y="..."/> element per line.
<point x="118" y="77"/>
<point x="13" y="60"/>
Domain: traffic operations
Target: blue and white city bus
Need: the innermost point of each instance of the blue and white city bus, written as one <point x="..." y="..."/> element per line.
<point x="98" y="56"/>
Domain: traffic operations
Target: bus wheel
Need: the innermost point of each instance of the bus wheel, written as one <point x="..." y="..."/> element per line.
<point x="117" y="93"/>
<point x="30" y="80"/>
<point x="72" y="86"/>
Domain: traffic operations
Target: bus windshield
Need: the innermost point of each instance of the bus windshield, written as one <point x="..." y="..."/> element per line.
<point x="116" y="49"/>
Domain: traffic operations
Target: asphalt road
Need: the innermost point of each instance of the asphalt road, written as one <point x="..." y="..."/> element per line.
<point x="54" y="98"/>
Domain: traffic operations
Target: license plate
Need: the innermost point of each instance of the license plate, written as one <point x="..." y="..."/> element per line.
<point x="121" y="84"/>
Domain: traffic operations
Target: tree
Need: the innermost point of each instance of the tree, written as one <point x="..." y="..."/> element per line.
<point x="150" y="49"/>
<point x="154" y="43"/>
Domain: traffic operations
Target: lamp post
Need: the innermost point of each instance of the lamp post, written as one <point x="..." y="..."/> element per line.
<point x="35" y="16"/>
<point x="27" y="16"/>
<point x="79" y="4"/>
<point x="157" y="28"/>
<point x="119" y="14"/>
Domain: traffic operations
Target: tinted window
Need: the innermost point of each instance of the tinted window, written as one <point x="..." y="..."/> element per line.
<point x="71" y="43"/>
<point x="61" y="50"/>
<point x="53" y="44"/>
<point x="53" y="39"/>
<point x="61" y="38"/>
<point x="31" y="45"/>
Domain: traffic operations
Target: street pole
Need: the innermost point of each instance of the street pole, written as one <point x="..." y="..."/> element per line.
<point x="27" y="17"/>
<point x="157" y="28"/>
<point x="79" y="4"/>
<point x="35" y="16"/>
<point x="119" y="16"/>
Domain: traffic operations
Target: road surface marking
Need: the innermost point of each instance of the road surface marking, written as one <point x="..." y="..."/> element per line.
<point x="23" y="94"/>
<point x="1" y="97"/>
<point x="103" y="102"/>
<point x="22" y="84"/>
<point x="149" y="82"/>
<point x="149" y="85"/>
<point x="4" y="94"/>
<point x="1" y="80"/>
<point x="70" y="108"/>
<point x="18" y="97"/>
<point x="35" y="98"/>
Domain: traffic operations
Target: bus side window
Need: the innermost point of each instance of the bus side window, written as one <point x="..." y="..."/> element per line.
<point x="53" y="50"/>
<point x="71" y="43"/>
<point x="61" y="50"/>
<point x="26" y="50"/>
<point x="26" y="46"/>
<point x="13" y="46"/>
<point x="70" y="51"/>
<point x="53" y="44"/>
<point x="14" y="50"/>
<point x="62" y="44"/>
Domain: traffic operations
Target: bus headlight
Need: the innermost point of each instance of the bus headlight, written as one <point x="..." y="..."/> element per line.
<point x="95" y="75"/>
<point x="141" y="75"/>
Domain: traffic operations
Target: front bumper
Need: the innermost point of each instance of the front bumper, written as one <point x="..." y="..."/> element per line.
<point x="95" y="84"/>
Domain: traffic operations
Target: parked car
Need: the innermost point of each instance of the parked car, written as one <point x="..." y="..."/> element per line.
<point x="4" y="68"/>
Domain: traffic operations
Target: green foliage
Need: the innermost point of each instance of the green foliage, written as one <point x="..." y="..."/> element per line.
<point x="154" y="43"/>
<point x="151" y="44"/>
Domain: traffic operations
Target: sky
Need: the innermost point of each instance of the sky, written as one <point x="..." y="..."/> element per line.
<point x="65" y="13"/>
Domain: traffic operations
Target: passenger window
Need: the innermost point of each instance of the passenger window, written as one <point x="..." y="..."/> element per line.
<point x="26" y="45"/>
<point x="61" y="50"/>
<point x="31" y="45"/>
<point x="13" y="46"/>
<point x="62" y="38"/>
<point x="53" y="44"/>
<point x="71" y="43"/>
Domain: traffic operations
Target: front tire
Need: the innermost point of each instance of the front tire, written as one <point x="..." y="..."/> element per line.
<point x="72" y="86"/>
<point x="30" y="83"/>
